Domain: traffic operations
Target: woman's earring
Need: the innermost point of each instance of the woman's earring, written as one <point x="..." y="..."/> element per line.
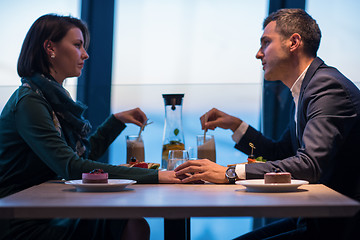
<point x="52" y="55"/>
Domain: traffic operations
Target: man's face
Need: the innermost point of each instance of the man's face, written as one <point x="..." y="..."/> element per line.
<point x="273" y="54"/>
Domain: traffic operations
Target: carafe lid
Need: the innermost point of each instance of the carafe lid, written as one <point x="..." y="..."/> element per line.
<point x="173" y="99"/>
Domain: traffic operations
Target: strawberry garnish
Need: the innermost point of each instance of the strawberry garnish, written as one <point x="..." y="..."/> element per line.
<point x="141" y="165"/>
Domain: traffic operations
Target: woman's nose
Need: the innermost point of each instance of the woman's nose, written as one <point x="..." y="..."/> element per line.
<point x="85" y="55"/>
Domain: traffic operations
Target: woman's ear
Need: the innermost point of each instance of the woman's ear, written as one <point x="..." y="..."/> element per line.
<point x="49" y="48"/>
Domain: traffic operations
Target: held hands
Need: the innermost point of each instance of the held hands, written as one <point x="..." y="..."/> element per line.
<point x="217" y="118"/>
<point x="203" y="169"/>
<point x="135" y="116"/>
<point x="171" y="177"/>
<point x="168" y="177"/>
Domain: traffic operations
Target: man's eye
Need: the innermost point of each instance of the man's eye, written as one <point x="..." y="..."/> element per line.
<point x="264" y="44"/>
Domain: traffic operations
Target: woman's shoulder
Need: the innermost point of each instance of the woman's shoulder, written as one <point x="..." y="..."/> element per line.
<point x="23" y="98"/>
<point x="26" y="97"/>
<point x="18" y="95"/>
<point x="24" y="92"/>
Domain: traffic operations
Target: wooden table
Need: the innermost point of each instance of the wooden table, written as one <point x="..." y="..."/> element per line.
<point x="175" y="202"/>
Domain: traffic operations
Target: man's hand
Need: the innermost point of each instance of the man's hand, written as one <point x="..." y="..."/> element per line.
<point x="216" y="118"/>
<point x="202" y="169"/>
<point x="135" y="116"/>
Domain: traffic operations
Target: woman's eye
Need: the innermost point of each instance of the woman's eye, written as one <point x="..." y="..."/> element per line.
<point x="78" y="45"/>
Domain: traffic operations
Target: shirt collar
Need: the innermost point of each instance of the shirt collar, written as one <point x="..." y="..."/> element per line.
<point x="295" y="89"/>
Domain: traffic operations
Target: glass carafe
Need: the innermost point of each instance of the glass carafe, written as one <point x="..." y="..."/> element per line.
<point x="173" y="138"/>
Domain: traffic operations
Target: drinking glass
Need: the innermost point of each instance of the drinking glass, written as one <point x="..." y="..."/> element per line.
<point x="192" y="153"/>
<point x="206" y="147"/>
<point x="135" y="148"/>
<point x="176" y="158"/>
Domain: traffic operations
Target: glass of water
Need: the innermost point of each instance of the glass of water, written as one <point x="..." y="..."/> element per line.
<point x="176" y="158"/>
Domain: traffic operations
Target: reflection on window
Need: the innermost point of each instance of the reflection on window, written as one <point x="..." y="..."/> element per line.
<point x="204" y="49"/>
<point x="178" y="41"/>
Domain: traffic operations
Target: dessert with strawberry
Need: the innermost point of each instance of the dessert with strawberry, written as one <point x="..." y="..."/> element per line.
<point x="95" y="176"/>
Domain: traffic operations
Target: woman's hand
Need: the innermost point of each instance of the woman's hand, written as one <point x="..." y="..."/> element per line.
<point x="135" y="116"/>
<point x="168" y="177"/>
<point x="171" y="177"/>
<point x="202" y="169"/>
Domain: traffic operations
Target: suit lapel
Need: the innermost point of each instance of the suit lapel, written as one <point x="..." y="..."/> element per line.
<point x="308" y="76"/>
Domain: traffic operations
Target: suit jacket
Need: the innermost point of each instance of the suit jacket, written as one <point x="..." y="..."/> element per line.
<point x="324" y="146"/>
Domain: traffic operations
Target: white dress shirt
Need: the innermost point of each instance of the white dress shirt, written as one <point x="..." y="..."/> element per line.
<point x="241" y="130"/>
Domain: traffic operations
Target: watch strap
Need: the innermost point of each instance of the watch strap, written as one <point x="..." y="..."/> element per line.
<point x="231" y="180"/>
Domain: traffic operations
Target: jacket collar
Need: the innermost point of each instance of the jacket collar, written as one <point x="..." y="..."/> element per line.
<point x="316" y="63"/>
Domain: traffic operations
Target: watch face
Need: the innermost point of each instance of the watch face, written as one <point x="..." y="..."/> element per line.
<point x="230" y="173"/>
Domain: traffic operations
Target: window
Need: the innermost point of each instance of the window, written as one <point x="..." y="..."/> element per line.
<point x="204" y="49"/>
<point x="338" y="22"/>
<point x="16" y="18"/>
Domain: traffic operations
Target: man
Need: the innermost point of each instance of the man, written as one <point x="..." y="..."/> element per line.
<point x="321" y="143"/>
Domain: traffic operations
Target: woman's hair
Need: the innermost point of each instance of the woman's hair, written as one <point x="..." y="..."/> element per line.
<point x="33" y="57"/>
<point x="290" y="21"/>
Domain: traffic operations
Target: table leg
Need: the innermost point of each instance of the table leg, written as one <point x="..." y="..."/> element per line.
<point x="177" y="229"/>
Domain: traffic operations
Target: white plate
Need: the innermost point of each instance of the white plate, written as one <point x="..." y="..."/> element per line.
<point x="113" y="185"/>
<point x="258" y="185"/>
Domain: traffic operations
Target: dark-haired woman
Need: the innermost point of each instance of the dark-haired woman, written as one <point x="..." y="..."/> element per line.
<point x="44" y="136"/>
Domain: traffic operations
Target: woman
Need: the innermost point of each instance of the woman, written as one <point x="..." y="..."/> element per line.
<point x="44" y="136"/>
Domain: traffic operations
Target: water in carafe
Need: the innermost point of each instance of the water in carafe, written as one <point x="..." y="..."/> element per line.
<point x="173" y="137"/>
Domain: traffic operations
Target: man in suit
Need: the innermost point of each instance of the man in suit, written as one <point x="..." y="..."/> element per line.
<point x="322" y="141"/>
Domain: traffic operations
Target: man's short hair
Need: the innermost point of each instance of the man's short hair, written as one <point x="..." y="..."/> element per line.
<point x="290" y="21"/>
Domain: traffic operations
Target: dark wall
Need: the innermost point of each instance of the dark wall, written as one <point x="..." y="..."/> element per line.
<point x="94" y="85"/>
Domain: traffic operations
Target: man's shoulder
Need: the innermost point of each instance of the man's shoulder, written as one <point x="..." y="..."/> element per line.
<point x="328" y="85"/>
<point x="331" y="76"/>
<point x="319" y="69"/>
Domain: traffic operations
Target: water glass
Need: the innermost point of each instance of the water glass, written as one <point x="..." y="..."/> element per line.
<point x="176" y="158"/>
<point x="192" y="153"/>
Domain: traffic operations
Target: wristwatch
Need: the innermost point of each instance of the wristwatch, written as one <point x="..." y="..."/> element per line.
<point x="231" y="174"/>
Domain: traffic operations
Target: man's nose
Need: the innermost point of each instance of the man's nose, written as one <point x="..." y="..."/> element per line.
<point x="259" y="54"/>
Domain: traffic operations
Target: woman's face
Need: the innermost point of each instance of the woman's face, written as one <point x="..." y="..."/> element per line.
<point x="69" y="56"/>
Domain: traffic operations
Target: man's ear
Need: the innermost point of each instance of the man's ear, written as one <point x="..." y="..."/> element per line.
<point x="295" y="41"/>
<point x="49" y="48"/>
